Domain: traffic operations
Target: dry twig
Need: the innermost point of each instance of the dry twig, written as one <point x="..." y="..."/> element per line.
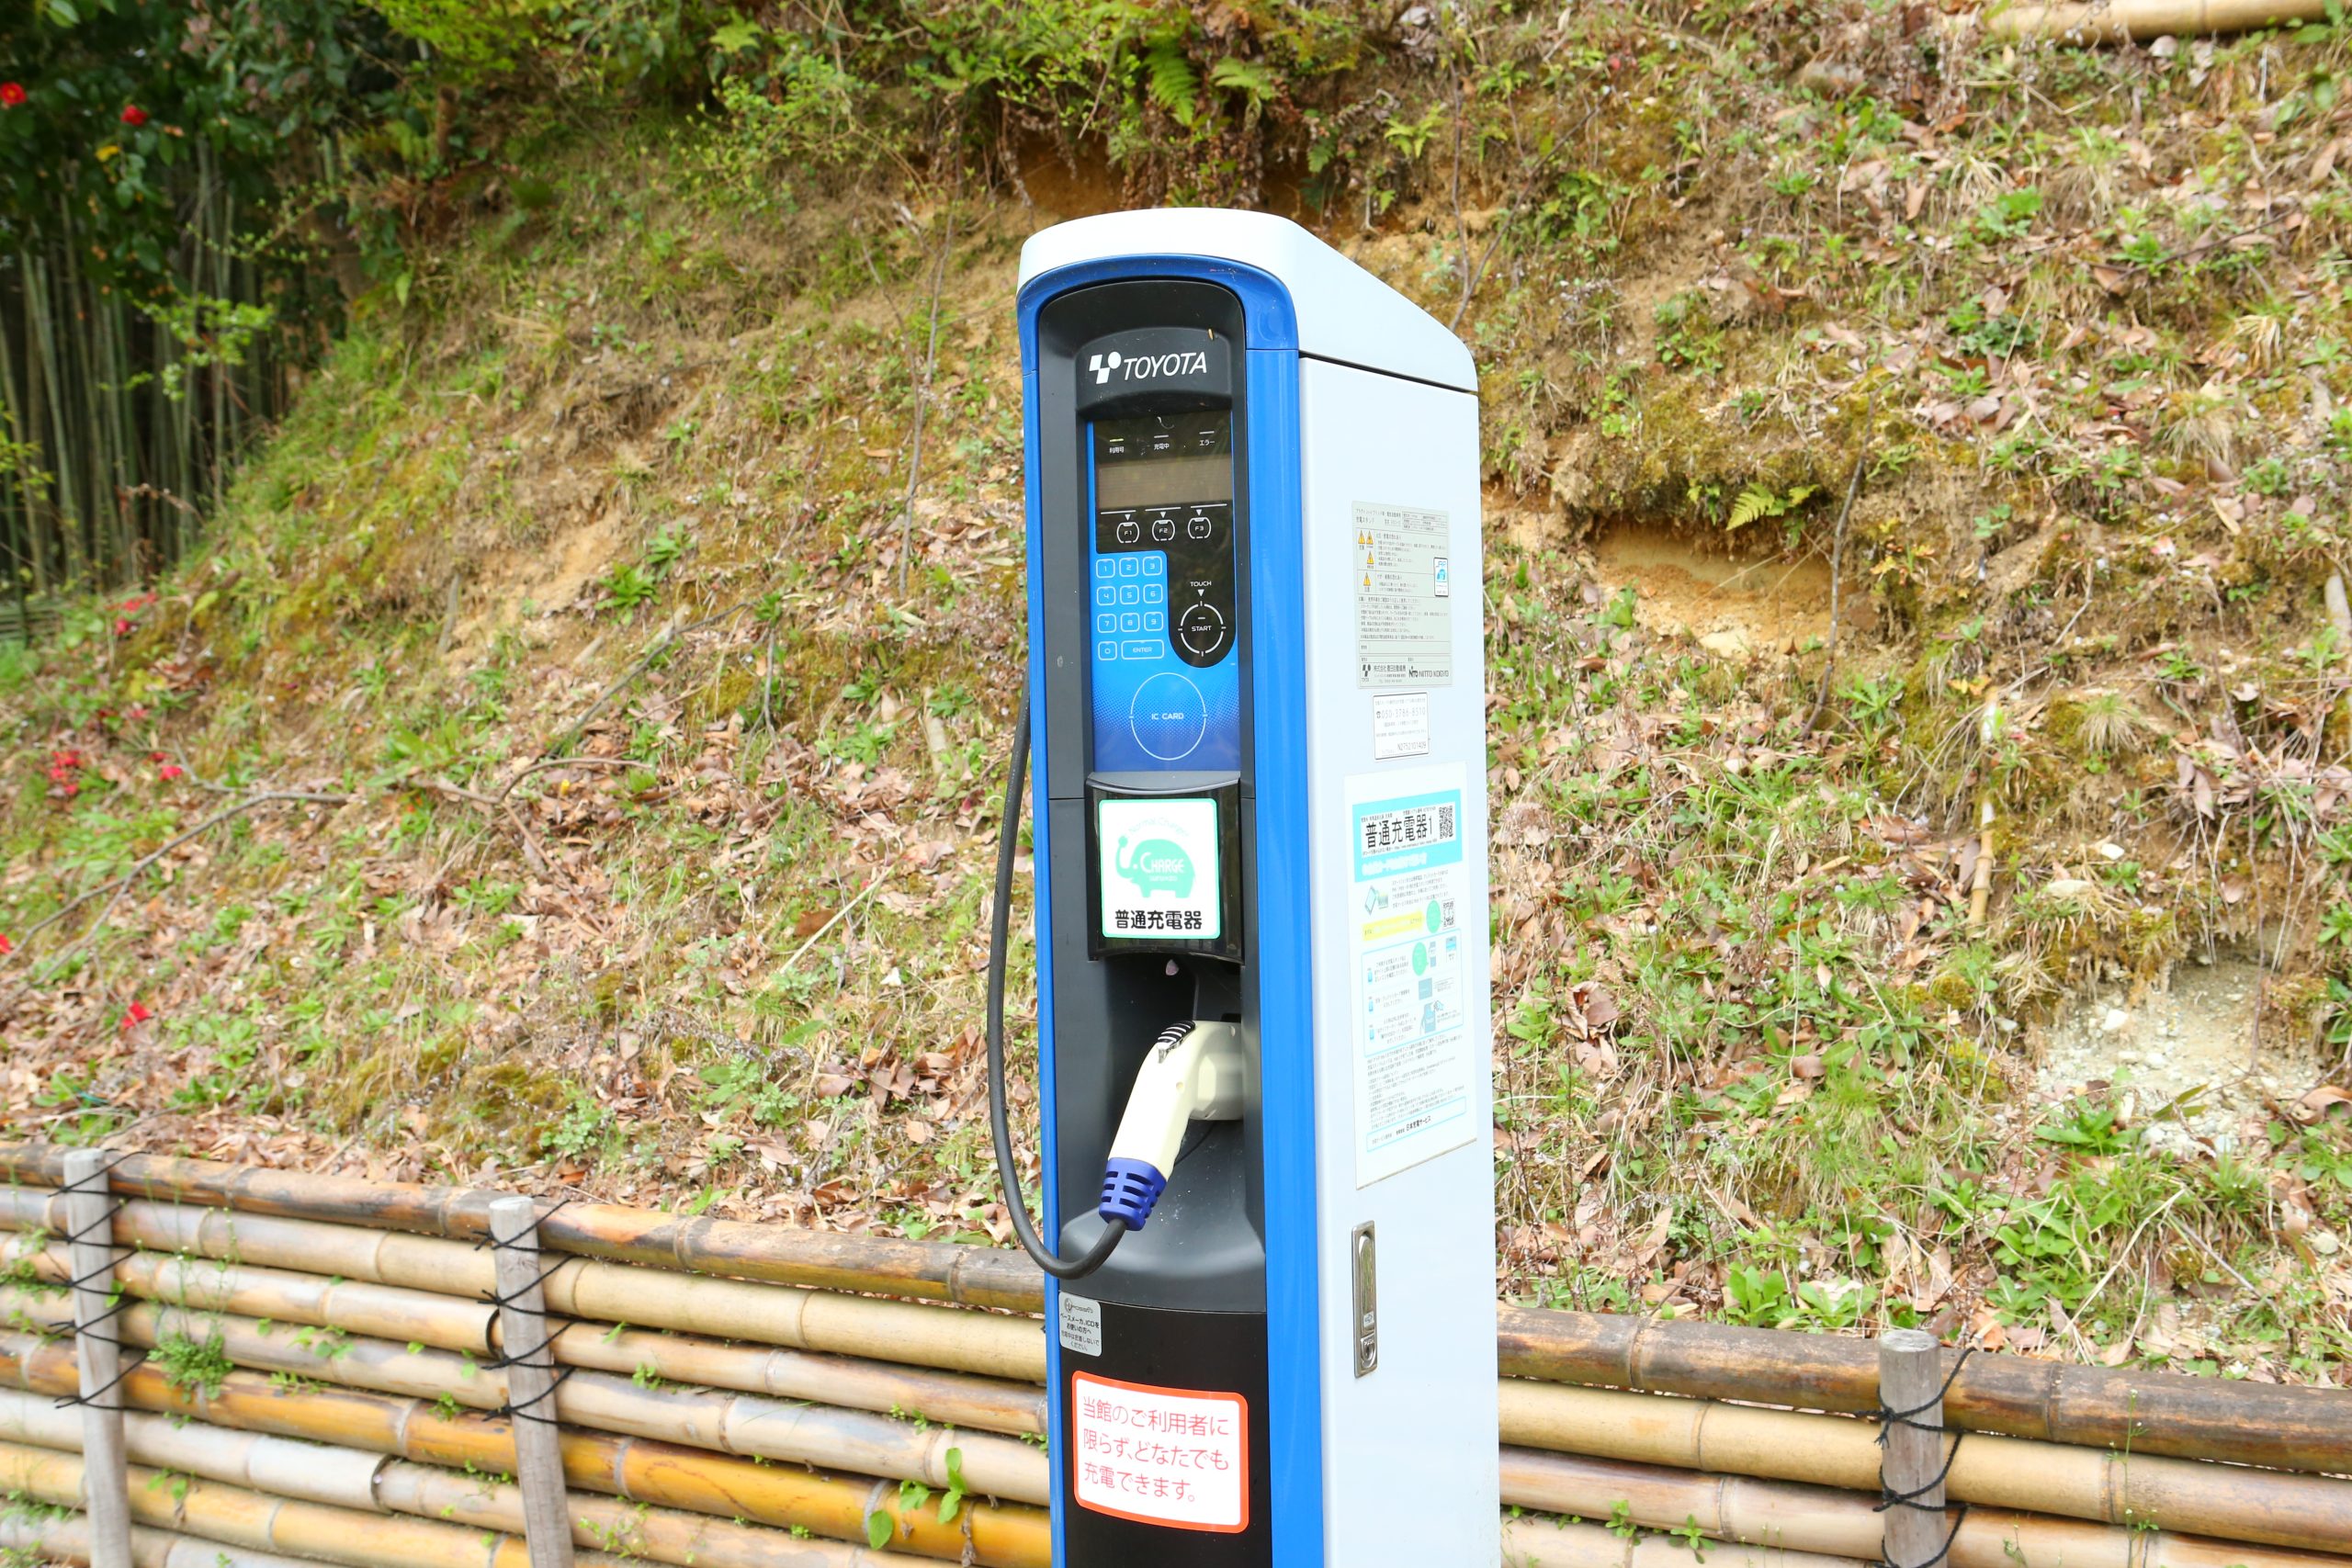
<point x="923" y="400"/>
<point x="1837" y="561"/>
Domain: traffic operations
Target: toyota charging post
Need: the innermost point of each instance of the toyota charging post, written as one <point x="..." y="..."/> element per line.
<point x="1255" y="725"/>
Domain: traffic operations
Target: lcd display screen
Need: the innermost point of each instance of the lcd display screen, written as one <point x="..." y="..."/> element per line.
<point x="1163" y="460"/>
<point x="1163" y="481"/>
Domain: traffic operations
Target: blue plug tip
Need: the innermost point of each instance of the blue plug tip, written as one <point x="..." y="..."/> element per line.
<point x="1130" y="1187"/>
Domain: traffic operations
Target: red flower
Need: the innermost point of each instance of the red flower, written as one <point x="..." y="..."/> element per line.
<point x="133" y="116"/>
<point x="171" y="771"/>
<point x="122" y="627"/>
<point x="6" y="947"/>
<point x="139" y="1013"/>
<point x="11" y="94"/>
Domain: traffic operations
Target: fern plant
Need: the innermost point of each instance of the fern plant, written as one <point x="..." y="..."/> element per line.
<point x="1253" y="79"/>
<point x="1759" y="501"/>
<point x="1170" y="79"/>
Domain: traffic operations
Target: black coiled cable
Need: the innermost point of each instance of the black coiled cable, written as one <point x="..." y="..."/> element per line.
<point x="1000" y="1125"/>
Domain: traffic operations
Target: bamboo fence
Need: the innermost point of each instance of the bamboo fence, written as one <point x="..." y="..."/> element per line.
<point x="652" y="1472"/>
<point x="740" y="1396"/>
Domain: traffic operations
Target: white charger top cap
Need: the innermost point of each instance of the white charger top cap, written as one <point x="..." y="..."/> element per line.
<point x="1344" y="313"/>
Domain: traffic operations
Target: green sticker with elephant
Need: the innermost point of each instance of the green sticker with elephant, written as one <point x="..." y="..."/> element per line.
<point x="1158" y="869"/>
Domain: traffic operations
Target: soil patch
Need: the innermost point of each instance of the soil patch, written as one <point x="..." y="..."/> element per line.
<point x="2182" y="1060"/>
<point x="1733" y="605"/>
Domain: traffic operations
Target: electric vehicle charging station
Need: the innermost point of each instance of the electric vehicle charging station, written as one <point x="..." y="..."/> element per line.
<point x="1257" y="707"/>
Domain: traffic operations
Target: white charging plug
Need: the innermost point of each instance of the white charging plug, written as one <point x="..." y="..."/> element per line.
<point x="1194" y="1072"/>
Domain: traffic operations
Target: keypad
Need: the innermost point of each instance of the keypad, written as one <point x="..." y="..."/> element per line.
<point x="1133" y="589"/>
<point x="1174" y="564"/>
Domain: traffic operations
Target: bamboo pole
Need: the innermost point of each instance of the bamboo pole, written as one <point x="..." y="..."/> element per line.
<point x="792" y="1316"/>
<point x="720" y="1420"/>
<point x="237" y="1517"/>
<point x="344" y="1478"/>
<point x="98" y="1353"/>
<point x="1911" y="1448"/>
<point x="67" y="1539"/>
<point x="657" y="1535"/>
<point x="320" y="1474"/>
<point x="970" y="1276"/>
<point x="2117" y="21"/>
<point x="2227" y="1501"/>
<point x="999" y="1535"/>
<point x="528" y="1333"/>
<point x="1846" y="1524"/>
<point x="2140" y="1412"/>
<point x="450" y="1323"/>
<point x="1534" y="1541"/>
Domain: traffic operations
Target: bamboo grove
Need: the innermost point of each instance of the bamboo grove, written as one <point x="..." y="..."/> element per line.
<point x="121" y="417"/>
<point x="170" y="175"/>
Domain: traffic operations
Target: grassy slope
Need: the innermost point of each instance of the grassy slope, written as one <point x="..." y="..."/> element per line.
<point x="1755" y="1058"/>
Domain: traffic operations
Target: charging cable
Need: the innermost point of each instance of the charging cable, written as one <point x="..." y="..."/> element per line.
<point x="1008" y="834"/>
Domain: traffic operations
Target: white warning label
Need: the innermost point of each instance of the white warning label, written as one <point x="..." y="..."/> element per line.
<point x="1166" y="1456"/>
<point x="1081" y="1322"/>
<point x="1403" y="590"/>
<point x="1401" y="725"/>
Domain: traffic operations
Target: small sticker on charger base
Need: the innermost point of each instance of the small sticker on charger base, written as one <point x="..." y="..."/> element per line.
<point x="1401" y="725"/>
<point x="1082" y="1325"/>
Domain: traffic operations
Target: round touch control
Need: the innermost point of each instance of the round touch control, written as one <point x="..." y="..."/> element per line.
<point x="1201" y="630"/>
<point x="1169" y="717"/>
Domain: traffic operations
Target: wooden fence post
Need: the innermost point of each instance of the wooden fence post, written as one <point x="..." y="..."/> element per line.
<point x="97" y="1352"/>
<point x="524" y="1331"/>
<point x="1910" y="1386"/>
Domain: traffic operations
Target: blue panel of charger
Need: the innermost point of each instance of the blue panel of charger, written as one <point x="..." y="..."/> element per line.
<point x="1166" y="687"/>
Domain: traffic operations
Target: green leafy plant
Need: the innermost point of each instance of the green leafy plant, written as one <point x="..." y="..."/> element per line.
<point x="192" y="1365"/>
<point x="1758" y="502"/>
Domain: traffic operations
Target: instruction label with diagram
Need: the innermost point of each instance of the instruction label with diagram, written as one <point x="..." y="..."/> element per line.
<point x="1166" y="1456"/>
<point x="1414" y="1061"/>
<point x="1404" y="593"/>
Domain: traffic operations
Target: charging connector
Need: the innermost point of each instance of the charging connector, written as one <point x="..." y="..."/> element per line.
<point x="1194" y="1072"/>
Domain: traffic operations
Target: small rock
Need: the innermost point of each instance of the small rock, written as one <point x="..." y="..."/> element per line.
<point x="1729" y="644"/>
<point x="2111" y="851"/>
<point x="1830" y="79"/>
<point x="2114" y="1020"/>
<point x="2324" y="1243"/>
<point x="2072" y="890"/>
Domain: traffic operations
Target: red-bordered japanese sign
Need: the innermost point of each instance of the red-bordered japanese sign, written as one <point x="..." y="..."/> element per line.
<point x="1162" y="1456"/>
